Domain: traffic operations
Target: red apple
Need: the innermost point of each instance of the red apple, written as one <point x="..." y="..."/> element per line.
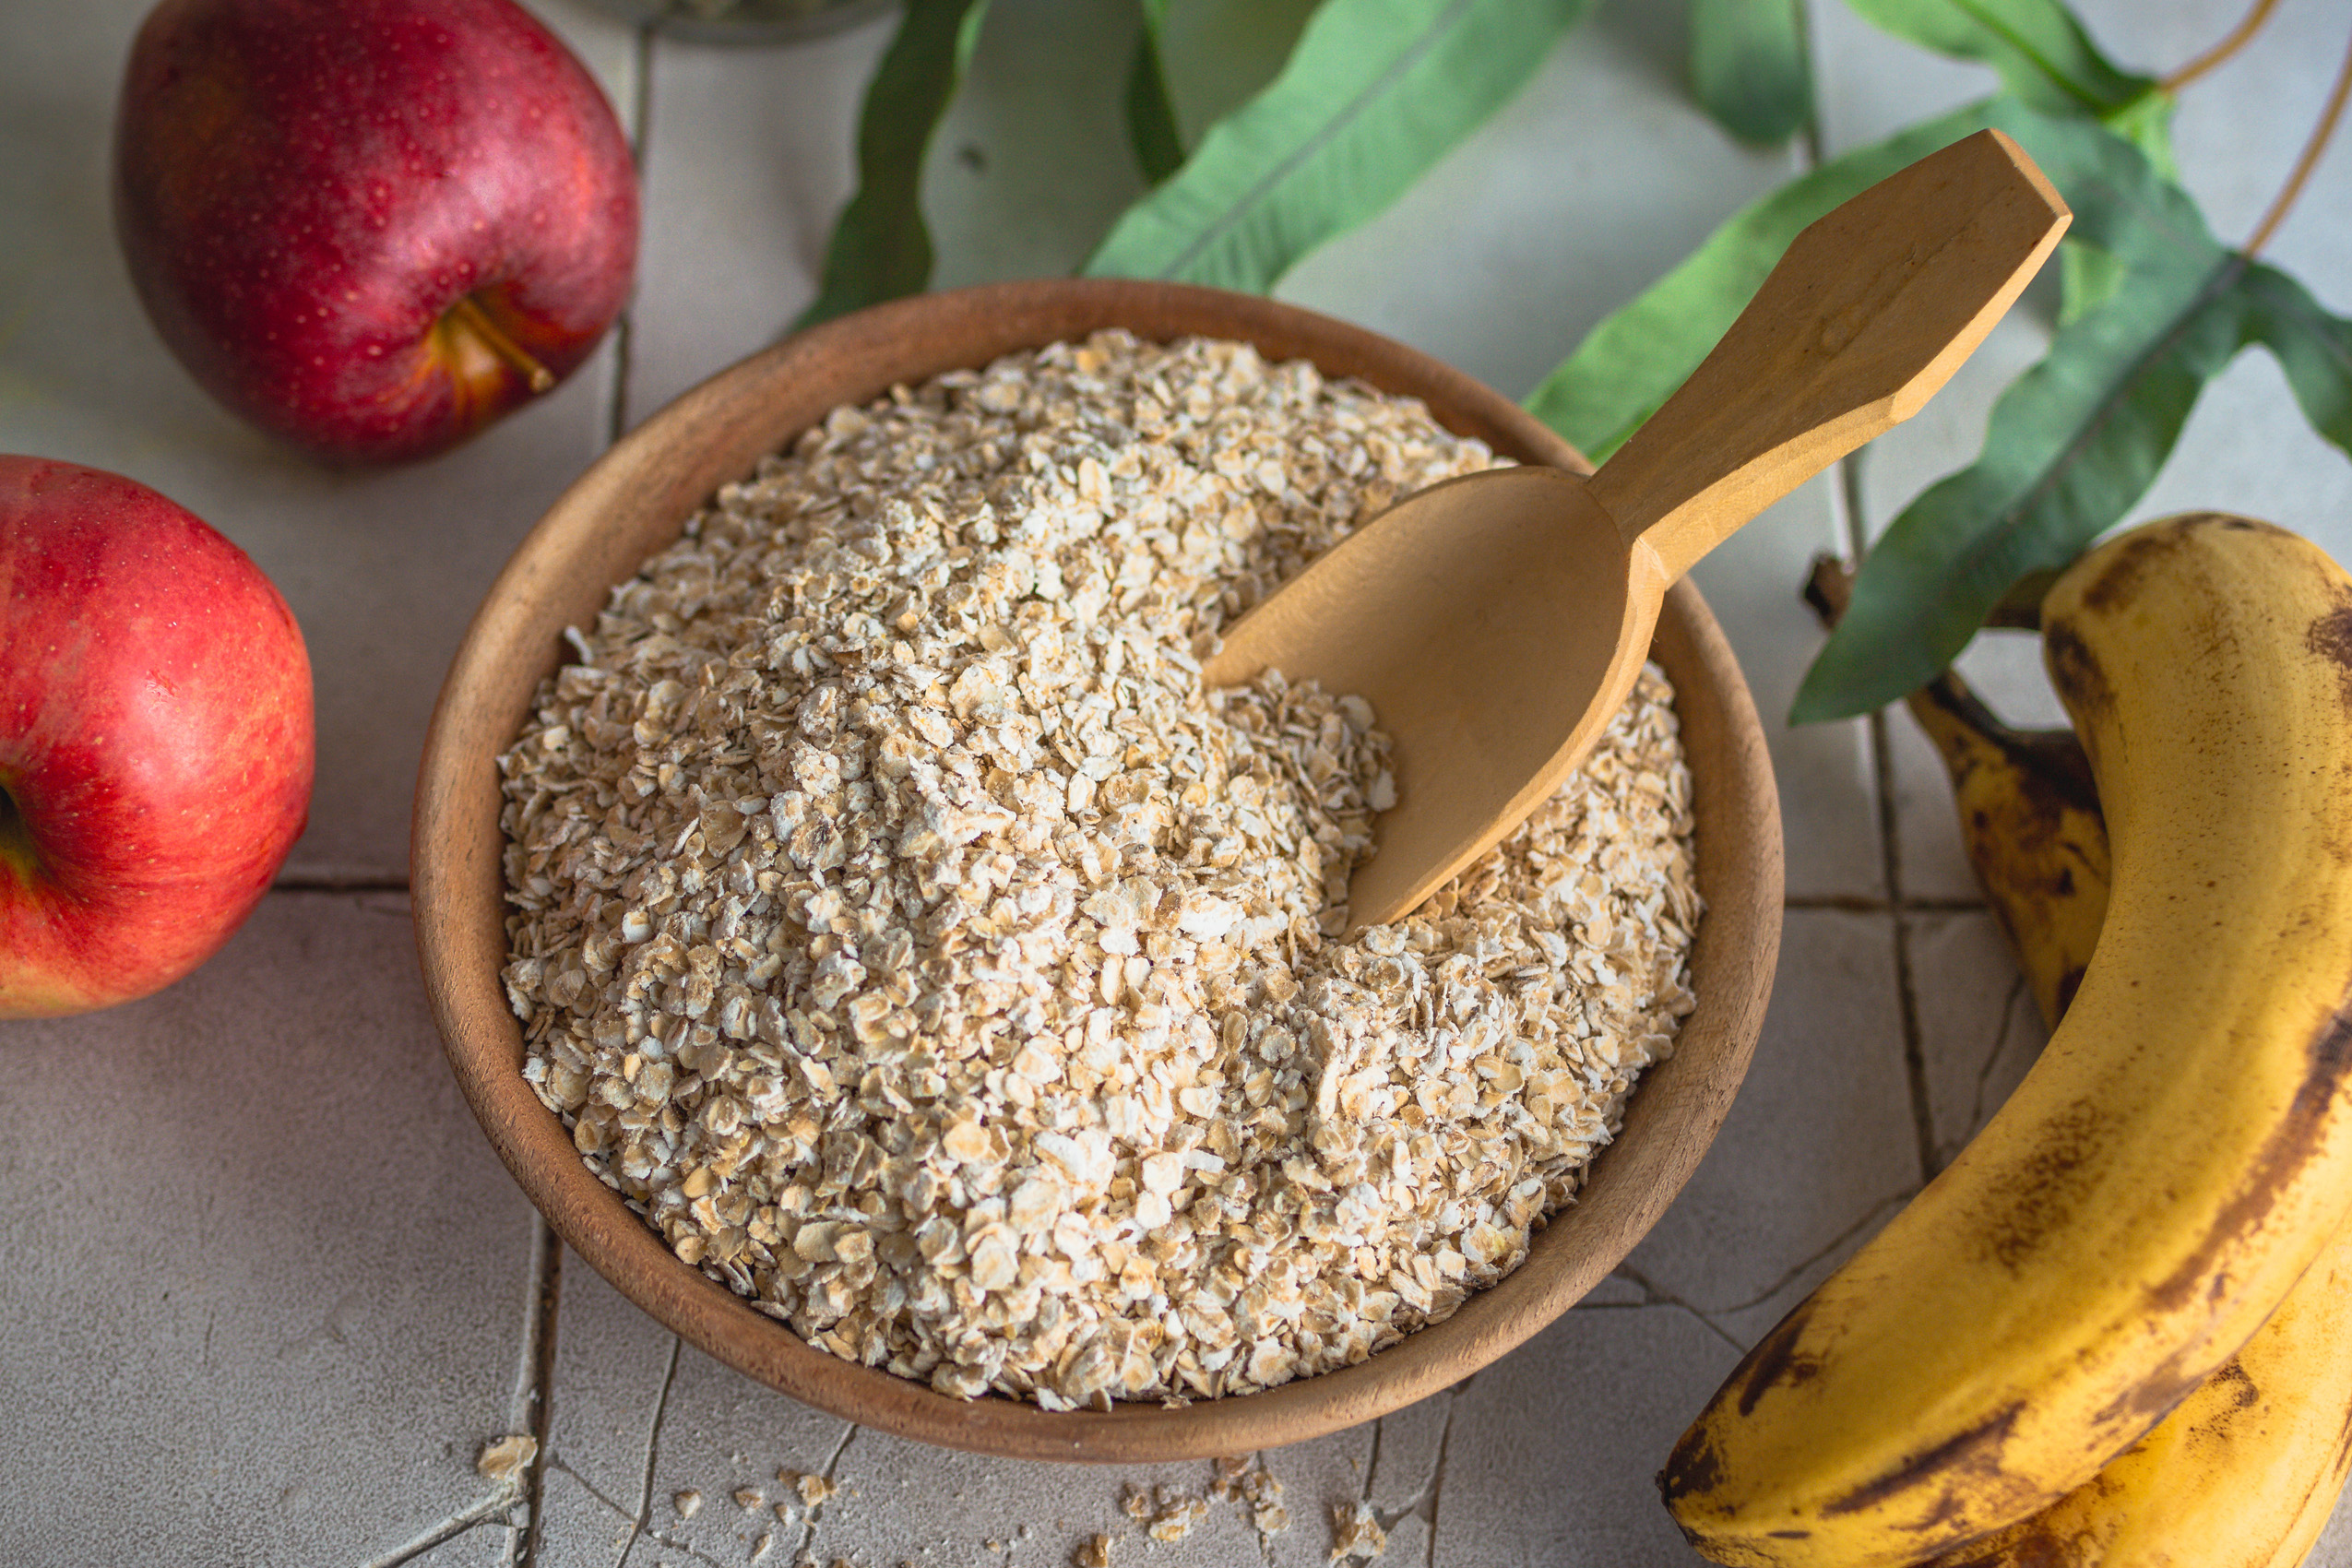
<point x="370" y="226"/>
<point x="154" y="738"/>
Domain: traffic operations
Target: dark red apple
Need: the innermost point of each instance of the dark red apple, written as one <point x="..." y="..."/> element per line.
<point x="370" y="226"/>
<point x="154" y="738"/>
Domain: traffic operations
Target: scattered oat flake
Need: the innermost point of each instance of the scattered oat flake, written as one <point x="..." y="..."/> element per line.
<point x="1092" y="1553"/>
<point x="686" y="1503"/>
<point x="748" y="1498"/>
<point x="505" y="1458"/>
<point x="760" y="1547"/>
<point x="899" y="926"/>
<point x="1175" y="1518"/>
<point x="1355" y="1533"/>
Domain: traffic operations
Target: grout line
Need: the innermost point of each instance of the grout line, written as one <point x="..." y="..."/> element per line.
<point x="625" y="327"/>
<point x="1906" y="995"/>
<point x="1846" y="502"/>
<point x="535" y="1399"/>
<point x="330" y="882"/>
<point x="1807" y="143"/>
<point x="1907" y="998"/>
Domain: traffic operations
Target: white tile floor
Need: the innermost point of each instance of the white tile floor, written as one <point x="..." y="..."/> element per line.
<point x="264" y="1288"/>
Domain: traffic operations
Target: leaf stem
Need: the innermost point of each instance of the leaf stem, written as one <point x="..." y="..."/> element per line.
<point x="2307" y="162"/>
<point x="2238" y="37"/>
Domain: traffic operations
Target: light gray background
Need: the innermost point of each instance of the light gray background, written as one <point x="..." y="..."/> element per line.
<point x="263" y="1290"/>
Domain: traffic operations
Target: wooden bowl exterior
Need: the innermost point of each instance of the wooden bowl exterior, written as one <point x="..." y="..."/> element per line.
<point x="635" y="500"/>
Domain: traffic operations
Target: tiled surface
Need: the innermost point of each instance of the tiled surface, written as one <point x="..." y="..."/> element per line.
<point x="266" y="1287"/>
<point x="266" y="1290"/>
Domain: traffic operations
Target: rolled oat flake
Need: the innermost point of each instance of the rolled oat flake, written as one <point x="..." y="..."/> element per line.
<point x="906" y="934"/>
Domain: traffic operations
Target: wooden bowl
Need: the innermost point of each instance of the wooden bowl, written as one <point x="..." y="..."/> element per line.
<point x="635" y="499"/>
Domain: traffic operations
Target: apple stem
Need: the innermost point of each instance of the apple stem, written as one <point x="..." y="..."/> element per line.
<point x="470" y="316"/>
<point x="16" y="848"/>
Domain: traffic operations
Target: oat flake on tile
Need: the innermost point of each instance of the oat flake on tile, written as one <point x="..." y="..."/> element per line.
<point x="903" y="932"/>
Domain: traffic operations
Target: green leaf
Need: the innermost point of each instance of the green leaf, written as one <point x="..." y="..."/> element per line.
<point x="1151" y="116"/>
<point x="1375" y="93"/>
<point x="2146" y="122"/>
<point x="2072" y="443"/>
<point x="2089" y="275"/>
<point x="881" y="248"/>
<point x="2045" y="57"/>
<point x="1749" y="67"/>
<point x="2043" y="54"/>
<point x="2314" y="348"/>
<point x="1633" y="361"/>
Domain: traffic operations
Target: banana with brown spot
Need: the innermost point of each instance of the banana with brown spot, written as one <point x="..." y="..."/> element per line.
<point x="2177" y="1156"/>
<point x="2242" y="1474"/>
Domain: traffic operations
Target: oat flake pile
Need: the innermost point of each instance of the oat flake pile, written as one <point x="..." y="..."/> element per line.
<point x="903" y="931"/>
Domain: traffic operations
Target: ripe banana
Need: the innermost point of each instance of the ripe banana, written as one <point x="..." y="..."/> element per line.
<point x="2177" y="1157"/>
<point x="2243" y="1474"/>
<point x="2029" y="819"/>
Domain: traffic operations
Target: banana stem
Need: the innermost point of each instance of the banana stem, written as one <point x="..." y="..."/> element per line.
<point x="1948" y="706"/>
<point x="1829" y="588"/>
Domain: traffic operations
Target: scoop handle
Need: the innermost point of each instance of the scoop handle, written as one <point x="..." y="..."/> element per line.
<point x="1866" y="316"/>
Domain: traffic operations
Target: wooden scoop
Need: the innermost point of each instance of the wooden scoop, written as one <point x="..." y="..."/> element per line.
<point x="1496" y="621"/>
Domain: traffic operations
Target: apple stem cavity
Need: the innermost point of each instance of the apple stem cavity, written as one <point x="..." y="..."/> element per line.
<point x="18" y="852"/>
<point x="470" y="332"/>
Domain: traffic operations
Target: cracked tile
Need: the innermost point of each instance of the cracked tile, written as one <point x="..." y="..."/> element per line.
<point x="639" y="1417"/>
<point x="720" y="1433"/>
<point x="1819" y="1142"/>
<point x="1616" y="1290"/>
<point x="1976" y="1036"/>
<point x="1411" y="1543"/>
<point x="485" y="1547"/>
<point x="484" y="1541"/>
<point x="1403" y="1464"/>
<point x="610" y="1365"/>
<point x="264" y="1249"/>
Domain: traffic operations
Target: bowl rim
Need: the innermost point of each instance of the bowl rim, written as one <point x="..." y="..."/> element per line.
<point x="668" y="466"/>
